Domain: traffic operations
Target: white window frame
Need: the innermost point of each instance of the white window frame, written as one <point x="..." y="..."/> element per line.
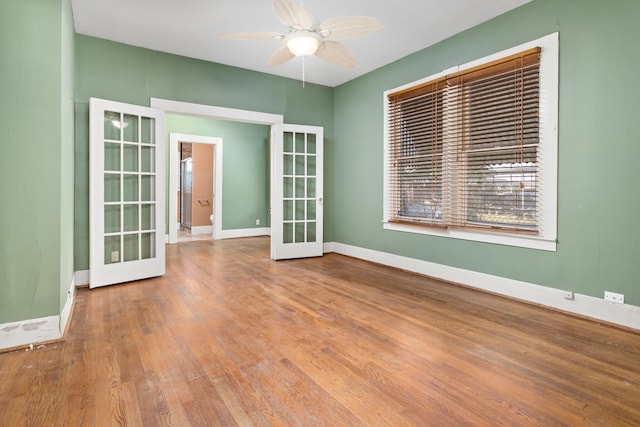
<point x="546" y="239"/>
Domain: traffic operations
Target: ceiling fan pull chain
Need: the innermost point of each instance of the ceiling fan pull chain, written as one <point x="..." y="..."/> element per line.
<point x="304" y="61"/>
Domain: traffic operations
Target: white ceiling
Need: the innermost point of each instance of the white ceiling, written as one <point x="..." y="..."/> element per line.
<point x="191" y="28"/>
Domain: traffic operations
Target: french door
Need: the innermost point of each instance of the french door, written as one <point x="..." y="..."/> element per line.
<point x="296" y="191"/>
<point x="127" y="224"/>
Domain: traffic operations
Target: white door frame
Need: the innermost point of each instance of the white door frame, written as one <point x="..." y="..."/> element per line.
<point x="174" y="181"/>
<point x="212" y="112"/>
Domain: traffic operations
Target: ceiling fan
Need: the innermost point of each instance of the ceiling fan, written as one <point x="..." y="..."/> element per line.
<point x="304" y="38"/>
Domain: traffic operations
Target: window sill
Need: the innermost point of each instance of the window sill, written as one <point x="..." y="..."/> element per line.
<point x="522" y="241"/>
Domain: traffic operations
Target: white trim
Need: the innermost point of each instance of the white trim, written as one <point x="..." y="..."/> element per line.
<point x="210" y="111"/>
<point x="548" y="154"/>
<point x="174" y="182"/>
<point x="81" y="277"/>
<point x="583" y="305"/>
<point x="68" y="305"/>
<point x="31" y="331"/>
<point x="40" y="330"/>
<point x="202" y="229"/>
<point x="246" y="232"/>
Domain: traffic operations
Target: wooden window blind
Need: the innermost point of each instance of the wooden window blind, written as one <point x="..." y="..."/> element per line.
<point x="463" y="149"/>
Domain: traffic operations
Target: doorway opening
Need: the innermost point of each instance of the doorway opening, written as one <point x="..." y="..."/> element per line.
<point x="212" y="112"/>
<point x="295" y="211"/>
<point x="196" y="194"/>
<point x="197" y="214"/>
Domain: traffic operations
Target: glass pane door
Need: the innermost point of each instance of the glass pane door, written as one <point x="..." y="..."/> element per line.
<point x="127" y="226"/>
<point x="297" y="193"/>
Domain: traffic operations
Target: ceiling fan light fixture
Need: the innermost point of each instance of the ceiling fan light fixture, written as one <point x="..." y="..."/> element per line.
<point x="304" y="38"/>
<point x="303" y="44"/>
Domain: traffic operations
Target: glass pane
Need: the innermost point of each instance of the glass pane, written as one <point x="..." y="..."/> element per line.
<point x="111" y="249"/>
<point x="311" y="210"/>
<point x="300" y="187"/>
<point x="112" y="219"/>
<point x="111" y="187"/>
<point x="300" y="142"/>
<point x="311" y="165"/>
<point x="311" y="232"/>
<point x="311" y="188"/>
<point x="131" y="218"/>
<point x="300" y="169"/>
<point x="130" y="128"/>
<point x="112" y="125"/>
<point x="287" y="168"/>
<point x="311" y="143"/>
<point x="148" y="189"/>
<point x="300" y="204"/>
<point x="287" y="232"/>
<point x="299" y="237"/>
<point x="287" y="190"/>
<point x="147" y="245"/>
<point x="130" y="247"/>
<point x="146" y="130"/>
<point x="130" y="188"/>
<point x="130" y="159"/>
<point x="287" y="210"/>
<point x="288" y="142"/>
<point x="147" y="217"/>
<point x="111" y="156"/>
<point x="147" y="159"/>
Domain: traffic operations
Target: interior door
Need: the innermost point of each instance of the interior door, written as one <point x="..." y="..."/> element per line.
<point x="127" y="225"/>
<point x="297" y="191"/>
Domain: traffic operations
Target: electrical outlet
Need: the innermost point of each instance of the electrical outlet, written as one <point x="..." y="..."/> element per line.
<point x="258" y="221"/>
<point x="568" y="295"/>
<point x="115" y="256"/>
<point x="614" y="297"/>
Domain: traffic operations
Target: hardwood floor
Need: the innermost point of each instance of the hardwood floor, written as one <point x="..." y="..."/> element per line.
<point x="229" y="337"/>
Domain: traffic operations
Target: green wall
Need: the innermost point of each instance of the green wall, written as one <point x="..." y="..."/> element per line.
<point x="598" y="201"/>
<point x="36" y="161"/>
<point x="130" y="74"/>
<point x="67" y="54"/>
<point x="49" y="73"/>
<point x="245" y="167"/>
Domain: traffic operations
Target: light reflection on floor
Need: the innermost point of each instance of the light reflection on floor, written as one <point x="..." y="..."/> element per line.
<point x="186" y="236"/>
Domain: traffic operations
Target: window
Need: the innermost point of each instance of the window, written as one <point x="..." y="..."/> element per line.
<point x="471" y="152"/>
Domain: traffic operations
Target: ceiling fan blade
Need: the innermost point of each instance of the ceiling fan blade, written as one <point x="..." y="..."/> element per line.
<point x="257" y="35"/>
<point x="346" y="27"/>
<point x="336" y="53"/>
<point x="292" y="14"/>
<point x="280" y="56"/>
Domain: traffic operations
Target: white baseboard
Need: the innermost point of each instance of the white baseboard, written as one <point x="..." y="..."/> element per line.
<point x="202" y="229"/>
<point x="583" y="305"/>
<point x="34" y="331"/>
<point x="245" y="232"/>
<point x="68" y="305"/>
<point x="81" y="277"/>
<point x="31" y="331"/>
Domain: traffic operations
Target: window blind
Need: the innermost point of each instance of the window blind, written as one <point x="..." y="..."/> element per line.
<point x="463" y="148"/>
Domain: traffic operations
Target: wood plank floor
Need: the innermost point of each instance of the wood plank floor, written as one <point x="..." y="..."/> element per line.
<point x="229" y="337"/>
